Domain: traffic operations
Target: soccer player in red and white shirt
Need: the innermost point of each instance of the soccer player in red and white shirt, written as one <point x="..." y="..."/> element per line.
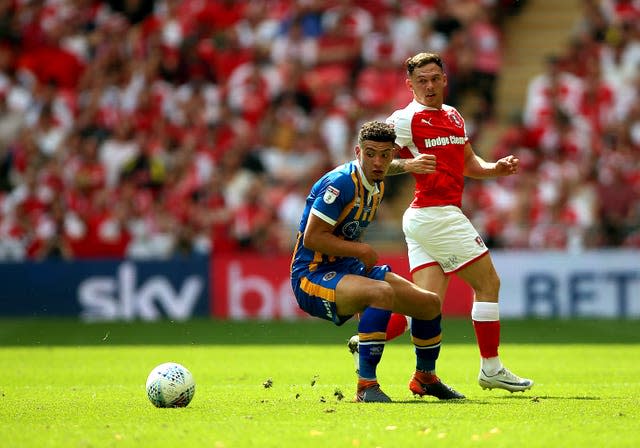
<point x="441" y="240"/>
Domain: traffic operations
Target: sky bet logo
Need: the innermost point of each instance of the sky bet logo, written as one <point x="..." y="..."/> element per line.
<point x="121" y="297"/>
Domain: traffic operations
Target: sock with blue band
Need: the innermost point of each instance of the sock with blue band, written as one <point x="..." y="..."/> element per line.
<point x="426" y="336"/>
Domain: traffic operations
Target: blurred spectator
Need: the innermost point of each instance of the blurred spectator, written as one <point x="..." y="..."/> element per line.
<point x="487" y="58"/>
<point x="551" y="90"/>
<point x="445" y="20"/>
<point x="117" y="151"/>
<point x="11" y="120"/>
<point x="294" y="45"/>
<point x="458" y="59"/>
<point x="620" y="58"/>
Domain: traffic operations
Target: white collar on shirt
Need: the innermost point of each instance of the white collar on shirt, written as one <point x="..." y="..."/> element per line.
<point x="421" y="106"/>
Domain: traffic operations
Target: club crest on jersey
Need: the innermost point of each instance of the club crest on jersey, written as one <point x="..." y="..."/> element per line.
<point x="351" y="230"/>
<point x="329" y="275"/>
<point x="455" y="119"/>
<point x="330" y="195"/>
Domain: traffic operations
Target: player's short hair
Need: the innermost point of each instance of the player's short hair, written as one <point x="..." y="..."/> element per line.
<point x="422" y="59"/>
<point x="376" y="131"/>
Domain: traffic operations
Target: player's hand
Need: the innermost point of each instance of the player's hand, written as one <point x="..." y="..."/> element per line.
<point x="507" y="166"/>
<point x="368" y="256"/>
<point x="421" y="164"/>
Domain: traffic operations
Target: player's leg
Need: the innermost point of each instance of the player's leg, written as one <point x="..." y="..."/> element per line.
<point x="376" y="296"/>
<point x="427" y="232"/>
<point x="397" y="326"/>
<point x="485" y="314"/>
<point x="336" y="295"/>
<point x="408" y="299"/>
<point x="426" y="336"/>
<point x="411" y="299"/>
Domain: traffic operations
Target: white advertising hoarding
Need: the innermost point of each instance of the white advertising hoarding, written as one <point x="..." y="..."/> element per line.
<point x="560" y="284"/>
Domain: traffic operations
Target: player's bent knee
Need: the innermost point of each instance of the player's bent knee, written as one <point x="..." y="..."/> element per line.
<point x="382" y="296"/>
<point x="485" y="283"/>
<point x="488" y="288"/>
<point x="433" y="305"/>
<point x="425" y="305"/>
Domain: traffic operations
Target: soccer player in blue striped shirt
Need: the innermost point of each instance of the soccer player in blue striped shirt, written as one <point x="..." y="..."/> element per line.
<point x="334" y="273"/>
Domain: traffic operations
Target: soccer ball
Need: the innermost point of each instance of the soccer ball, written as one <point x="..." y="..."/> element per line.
<point x="170" y="385"/>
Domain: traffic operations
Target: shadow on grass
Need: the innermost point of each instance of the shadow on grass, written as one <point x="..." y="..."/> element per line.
<point x="489" y="401"/>
<point x="440" y="402"/>
<point x="547" y="397"/>
<point x="72" y="332"/>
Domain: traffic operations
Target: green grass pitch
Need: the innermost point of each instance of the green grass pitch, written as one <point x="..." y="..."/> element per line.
<point x="71" y="384"/>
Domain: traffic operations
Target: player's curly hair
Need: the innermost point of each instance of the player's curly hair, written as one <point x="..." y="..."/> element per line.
<point x="376" y="131"/>
<point x="422" y="59"/>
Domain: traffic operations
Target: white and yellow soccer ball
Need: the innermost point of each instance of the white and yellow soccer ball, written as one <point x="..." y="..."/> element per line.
<point x="170" y="385"/>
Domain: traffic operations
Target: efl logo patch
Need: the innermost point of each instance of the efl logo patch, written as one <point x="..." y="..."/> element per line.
<point x="330" y="195"/>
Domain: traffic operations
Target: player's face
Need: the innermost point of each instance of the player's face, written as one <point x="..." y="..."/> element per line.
<point x="427" y="84"/>
<point x="375" y="158"/>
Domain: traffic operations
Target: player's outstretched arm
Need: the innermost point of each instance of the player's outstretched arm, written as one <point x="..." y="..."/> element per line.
<point x="478" y="168"/>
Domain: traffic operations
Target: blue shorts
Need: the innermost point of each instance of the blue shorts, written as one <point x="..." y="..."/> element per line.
<point x="316" y="291"/>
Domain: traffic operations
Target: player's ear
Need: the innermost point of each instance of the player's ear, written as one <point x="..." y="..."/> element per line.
<point x="407" y="82"/>
<point x="357" y="150"/>
<point x="444" y="79"/>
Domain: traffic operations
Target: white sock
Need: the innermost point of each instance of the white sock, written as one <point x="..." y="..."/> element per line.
<point x="487" y="311"/>
<point x="490" y="366"/>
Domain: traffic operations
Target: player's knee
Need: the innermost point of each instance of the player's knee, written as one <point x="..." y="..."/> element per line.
<point x="488" y="287"/>
<point x="432" y="304"/>
<point x="382" y="296"/>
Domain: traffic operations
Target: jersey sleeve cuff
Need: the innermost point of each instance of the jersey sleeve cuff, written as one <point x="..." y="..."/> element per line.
<point x="324" y="217"/>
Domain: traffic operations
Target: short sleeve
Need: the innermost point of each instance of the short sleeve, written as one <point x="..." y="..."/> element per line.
<point x="334" y="195"/>
<point x="401" y="122"/>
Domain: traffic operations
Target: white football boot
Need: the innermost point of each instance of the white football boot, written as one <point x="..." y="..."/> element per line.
<point x="504" y="379"/>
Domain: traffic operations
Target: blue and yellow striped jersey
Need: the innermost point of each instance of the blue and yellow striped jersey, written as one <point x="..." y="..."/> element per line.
<point x="342" y="197"/>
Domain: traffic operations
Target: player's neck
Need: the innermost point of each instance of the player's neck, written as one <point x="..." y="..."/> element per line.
<point x="426" y="107"/>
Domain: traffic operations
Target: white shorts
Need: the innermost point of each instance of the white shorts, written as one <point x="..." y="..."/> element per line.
<point x="442" y="235"/>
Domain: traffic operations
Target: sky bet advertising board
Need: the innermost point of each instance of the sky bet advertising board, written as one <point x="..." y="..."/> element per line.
<point x="240" y="286"/>
<point x="107" y="290"/>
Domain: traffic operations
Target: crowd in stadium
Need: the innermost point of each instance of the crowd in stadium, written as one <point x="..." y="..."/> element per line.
<point x="150" y="129"/>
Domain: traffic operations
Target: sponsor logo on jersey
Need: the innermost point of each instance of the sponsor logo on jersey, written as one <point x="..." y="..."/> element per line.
<point x="351" y="230"/>
<point x="443" y="141"/>
<point x="331" y="194"/>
